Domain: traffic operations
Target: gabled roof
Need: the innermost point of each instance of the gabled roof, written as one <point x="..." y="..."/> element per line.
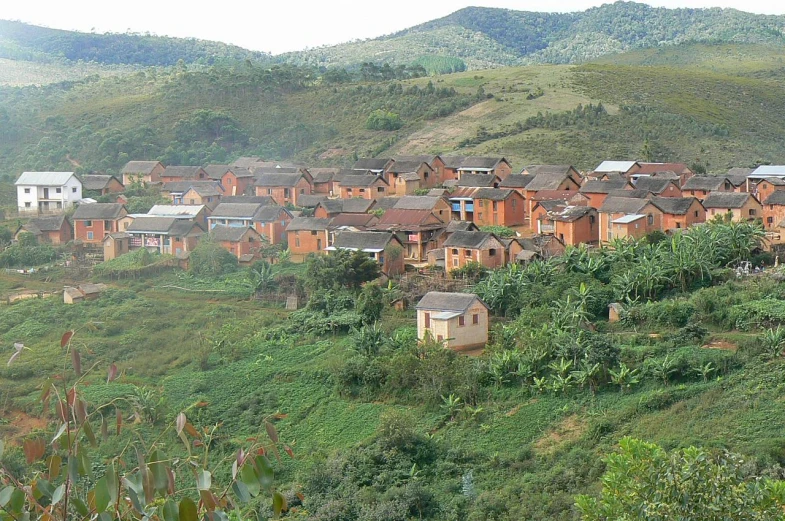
<point x="402" y="167"/>
<point x="186" y="172"/>
<point x="287" y="179"/>
<point x="516" y="181"/>
<point x="776" y="181"/>
<point x="666" y="174"/>
<point x="259" y="199"/>
<point x="650" y="168"/>
<point x="98" y="211"/>
<point x="630" y="194"/>
<point x="361" y="180"/>
<point x="704" y="182"/>
<point x="180" y="187"/>
<point x="245" y="162"/>
<point x="726" y="200"/>
<point x="96" y="181"/>
<point x="308" y="224"/>
<point x="357" y="205"/>
<point x="764" y="171"/>
<point x="180" y="211"/>
<point x="550" y="205"/>
<point x="546" y="195"/>
<point x="139" y="167"/>
<point x="151" y="224"/>
<point x="44" y="178"/>
<point x="442" y="301"/>
<point x="604" y="187"/>
<point x="738" y="176"/>
<point x="461" y="226"/>
<point x="674" y="205"/>
<point x="548" y="181"/>
<point x="49" y="223"/>
<point x="385" y="203"/>
<point x="463" y="192"/>
<point x="570" y="214"/>
<point x="363" y="241"/>
<point x="323" y="175"/>
<point x="310" y="200"/>
<point x="396" y="218"/>
<point x="205" y="190"/>
<point x="235" y="211"/>
<point x="356" y="220"/>
<point x="655" y="185"/>
<point x="493" y="194"/>
<point x="417" y="202"/>
<point x="626" y="205"/>
<point x="615" y="166"/>
<point x="409" y="176"/>
<point x="259" y="170"/>
<point x="231" y="233"/>
<point x="371" y="164"/>
<point x="480" y="163"/>
<point x="217" y="171"/>
<point x="453" y="162"/>
<point x="776" y="198"/>
<point x="478" y="180"/>
<point x="470" y="240"/>
<point x="549" y="169"/>
<point x="267" y="214"/>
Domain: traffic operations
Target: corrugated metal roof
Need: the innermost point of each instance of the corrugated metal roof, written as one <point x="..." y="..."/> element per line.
<point x="179" y="210"/>
<point x="615" y="166"/>
<point x="44" y="178"/>
<point x="768" y="170"/>
<point x="628" y="218"/>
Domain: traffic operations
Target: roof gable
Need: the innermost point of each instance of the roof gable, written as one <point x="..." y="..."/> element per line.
<point x="443" y="301"/>
<point x="99" y="211"/>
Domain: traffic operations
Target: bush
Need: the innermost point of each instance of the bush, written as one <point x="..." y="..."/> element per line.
<point x="208" y="259"/>
<point x="383" y="120"/>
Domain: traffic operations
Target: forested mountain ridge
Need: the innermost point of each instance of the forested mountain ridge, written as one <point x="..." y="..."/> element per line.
<point x="484" y="37"/>
<point x="19" y="41"/>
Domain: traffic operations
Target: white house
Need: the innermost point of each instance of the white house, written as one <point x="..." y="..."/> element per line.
<point x="47" y="191"/>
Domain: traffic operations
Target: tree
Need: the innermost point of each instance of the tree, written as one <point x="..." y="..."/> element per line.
<point x="643" y="481"/>
<point x="208" y="259"/>
<point x="341" y="269"/>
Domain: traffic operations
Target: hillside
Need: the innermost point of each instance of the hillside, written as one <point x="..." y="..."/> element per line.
<point x="488" y="37"/>
<point x="30" y="43"/>
<point x="715" y="106"/>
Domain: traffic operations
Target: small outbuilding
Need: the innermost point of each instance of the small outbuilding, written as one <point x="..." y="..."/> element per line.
<point x="458" y="320"/>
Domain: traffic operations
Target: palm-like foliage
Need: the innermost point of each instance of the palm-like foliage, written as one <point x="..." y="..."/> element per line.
<point x="624" y="377"/>
<point x="773" y="341"/>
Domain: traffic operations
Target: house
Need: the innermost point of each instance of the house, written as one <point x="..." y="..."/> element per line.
<point x="365" y="186"/>
<point x="332" y="207"/>
<point x="384" y="247"/>
<point x="563" y="178"/>
<point x="176" y="190"/>
<point x="50" y="229"/>
<point x="658" y="186"/>
<point x="614" y="167"/>
<point x="451" y="166"/>
<point x="557" y="170"/>
<point x="418" y="230"/>
<point x="458" y="320"/>
<point x="462" y="203"/>
<point x="376" y="166"/>
<point x="680" y="170"/>
<point x="622" y="217"/>
<point x="702" y="185"/>
<point x="283" y="187"/>
<point x="436" y="163"/>
<point x="183" y="173"/>
<point x="437" y="205"/>
<point x="116" y="244"/>
<point x="484" y="248"/>
<point x="271" y="222"/>
<point x="101" y="184"/>
<point x="234" y="214"/>
<point x="72" y="295"/>
<point x="475" y="165"/>
<point x="235" y="180"/>
<point x="323" y="180"/>
<point x="240" y="241"/>
<point x="306" y="235"/>
<point x="774" y="210"/>
<point x="763" y="172"/>
<point x="598" y="190"/>
<point x="741" y="206"/>
<point x="142" y="172"/>
<point x="479" y="181"/>
<point x="93" y="221"/>
<point x="47" y="191"/>
<point x="679" y="213"/>
<point x="541" y="209"/>
<point x="245" y="161"/>
<point x="166" y="235"/>
<point x="573" y="225"/>
<point x="357" y="222"/>
<point x="209" y="196"/>
<point x="765" y="187"/>
<point x="522" y="250"/>
<point x="195" y="213"/>
<point x="516" y="182"/>
<point x="498" y="207"/>
<point x="404" y="177"/>
<point x="738" y="178"/>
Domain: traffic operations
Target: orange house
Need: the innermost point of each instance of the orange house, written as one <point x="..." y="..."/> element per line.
<point x="701" y="186"/>
<point x="598" y="190"/>
<point x="550" y="181"/>
<point x="365" y="186"/>
<point x="764" y="188"/>
<point x="93" y="221"/>
<point x="451" y="166"/>
<point x="283" y="187"/>
<point x="658" y="186"/>
<point x="145" y="172"/>
<point x="237" y="240"/>
<point x="383" y="247"/>
<point x="774" y="209"/>
<point x="741" y="206"/>
<point x="50" y="229"/>
<point x="622" y="217"/>
<point x="418" y="230"/>
<point x="306" y="235"/>
<point x="573" y="225"/>
<point x="323" y="179"/>
<point x="494" y="206"/>
<point x="681" y="170"/>
<point x="474" y="165"/>
<point x="183" y="173"/>
<point x="679" y="213"/>
<point x="436" y="164"/>
<point x="404" y="177"/>
<point x="437" y="205"/>
<point x="103" y="184"/>
<point x="484" y="248"/>
<point x="271" y="223"/>
<point x="208" y="196"/>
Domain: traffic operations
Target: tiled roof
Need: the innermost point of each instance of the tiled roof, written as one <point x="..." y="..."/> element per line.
<point x="139" y="167"/>
<point x="627" y="205"/>
<point x="674" y="205"/>
<point x="726" y="200"/>
<point x="95" y="181"/>
<point x="442" y="301"/>
<point x="98" y="211"/>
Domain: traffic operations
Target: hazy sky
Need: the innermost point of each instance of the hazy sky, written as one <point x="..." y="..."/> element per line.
<point x="285" y="25"/>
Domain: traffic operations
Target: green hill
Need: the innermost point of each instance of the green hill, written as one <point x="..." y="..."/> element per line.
<point x="488" y="37"/>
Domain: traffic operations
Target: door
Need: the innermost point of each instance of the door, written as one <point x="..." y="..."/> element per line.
<point x="46" y="193"/>
<point x="318" y="245"/>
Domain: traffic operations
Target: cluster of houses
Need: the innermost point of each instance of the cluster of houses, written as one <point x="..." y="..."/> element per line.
<point x="417" y="210"/>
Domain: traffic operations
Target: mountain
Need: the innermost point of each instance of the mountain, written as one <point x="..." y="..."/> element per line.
<point x="487" y="37"/>
<point x="23" y="42"/>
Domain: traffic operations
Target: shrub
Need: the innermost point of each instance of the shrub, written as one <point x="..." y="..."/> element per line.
<point x="208" y="259"/>
<point x="383" y="120"/>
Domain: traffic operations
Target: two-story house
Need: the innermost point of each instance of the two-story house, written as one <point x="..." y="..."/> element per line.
<point x="41" y="192"/>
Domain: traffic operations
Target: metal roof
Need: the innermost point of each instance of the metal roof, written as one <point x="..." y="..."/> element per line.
<point x="628" y="218"/>
<point x="179" y="210"/>
<point x="615" y="166"/>
<point x="764" y="171"/>
<point x="44" y="178"/>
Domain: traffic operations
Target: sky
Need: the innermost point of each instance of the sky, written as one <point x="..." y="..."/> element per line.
<point x="278" y="26"/>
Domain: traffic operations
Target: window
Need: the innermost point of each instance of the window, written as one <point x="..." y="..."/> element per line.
<point x="476" y="318"/>
<point x="455" y="262"/>
<point x="440" y="338"/>
<point x="191" y="201"/>
<point x="27" y="190"/>
<point x="73" y="190"/>
<point x="27" y="205"/>
<point x="427" y="320"/>
<point x="269" y="191"/>
<point x="455" y="251"/>
<point x="592" y="219"/>
<point x="297" y="241"/>
<point x="752" y="211"/>
<point x="349" y="191"/>
<point x="561" y="237"/>
<point x="696" y="213"/>
<point x="492" y="252"/>
<point x="678" y="225"/>
<point x="302" y="190"/>
<point x="228" y="181"/>
<point x="58" y="190"/>
<point x="513" y="204"/>
<point x="461" y="321"/>
<point x="467" y="253"/>
<point x="313" y="232"/>
<point x="59" y="204"/>
<point x="495" y="206"/>
<point x="89" y="236"/>
<point x="380" y="189"/>
<point x="286" y="192"/>
<point x="650" y="219"/>
<point x="362" y="190"/>
<point x="770" y="220"/>
<point x="88" y="224"/>
<point x="107" y="225"/>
